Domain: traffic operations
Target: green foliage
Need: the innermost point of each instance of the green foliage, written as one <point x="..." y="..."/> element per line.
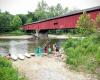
<point x="16" y="23"/>
<point x="7" y="72"/>
<point x="32" y="15"/>
<point x="57" y="32"/>
<point x="98" y="21"/>
<point x="29" y="20"/>
<point x="57" y="10"/>
<point x="23" y="18"/>
<point x="4" y="62"/>
<point x="83" y="54"/>
<point x="17" y="32"/>
<point x="98" y="56"/>
<point x="5" y="20"/>
<point x="85" y="25"/>
<point x="43" y="11"/>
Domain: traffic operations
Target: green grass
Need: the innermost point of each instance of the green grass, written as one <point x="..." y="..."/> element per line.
<point x="83" y="54"/>
<point x="13" y="33"/>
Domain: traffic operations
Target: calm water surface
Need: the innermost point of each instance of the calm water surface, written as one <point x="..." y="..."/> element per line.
<point x="24" y="46"/>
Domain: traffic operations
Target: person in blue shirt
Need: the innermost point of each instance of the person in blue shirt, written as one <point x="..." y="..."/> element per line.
<point x="39" y="51"/>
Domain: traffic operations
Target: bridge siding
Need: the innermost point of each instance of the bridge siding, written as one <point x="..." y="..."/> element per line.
<point x="63" y="22"/>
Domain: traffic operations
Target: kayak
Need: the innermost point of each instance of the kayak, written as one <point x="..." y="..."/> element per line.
<point x="21" y="57"/>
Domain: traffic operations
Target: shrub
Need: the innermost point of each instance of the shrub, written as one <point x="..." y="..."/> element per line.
<point x="85" y="25"/>
<point x="4" y="62"/>
<point x="98" y="56"/>
<point x="7" y="72"/>
<point x="83" y="53"/>
<point x="98" y="21"/>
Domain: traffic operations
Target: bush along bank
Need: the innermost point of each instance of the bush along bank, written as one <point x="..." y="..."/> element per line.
<point x="84" y="54"/>
<point x="7" y="72"/>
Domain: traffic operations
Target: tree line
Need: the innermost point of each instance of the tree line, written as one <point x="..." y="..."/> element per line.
<point x="9" y="22"/>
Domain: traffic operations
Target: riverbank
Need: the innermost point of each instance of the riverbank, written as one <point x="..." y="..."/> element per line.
<point x="17" y="37"/>
<point x="62" y="36"/>
<point x="48" y="68"/>
<point x="31" y="36"/>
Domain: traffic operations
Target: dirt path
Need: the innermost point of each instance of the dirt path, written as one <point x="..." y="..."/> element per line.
<point x="47" y="68"/>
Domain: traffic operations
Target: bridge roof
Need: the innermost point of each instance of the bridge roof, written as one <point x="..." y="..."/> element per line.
<point x="68" y="14"/>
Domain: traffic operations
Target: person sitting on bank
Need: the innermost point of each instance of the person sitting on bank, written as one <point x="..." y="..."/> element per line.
<point x="38" y="51"/>
<point x="45" y="51"/>
<point x="56" y="50"/>
<point x="49" y="49"/>
<point x="8" y="56"/>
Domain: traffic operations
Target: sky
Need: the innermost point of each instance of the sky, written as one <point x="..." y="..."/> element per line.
<point x="23" y="6"/>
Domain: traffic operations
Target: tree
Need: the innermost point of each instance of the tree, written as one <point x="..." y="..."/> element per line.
<point x="85" y="25"/>
<point x="29" y="20"/>
<point x="5" y="20"/>
<point x="16" y="23"/>
<point x="41" y="11"/>
<point x="51" y="12"/>
<point x="57" y="10"/>
<point x="32" y="16"/>
<point x="23" y="18"/>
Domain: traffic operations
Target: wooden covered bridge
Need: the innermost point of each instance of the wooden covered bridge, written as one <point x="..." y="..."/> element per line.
<point x="67" y="21"/>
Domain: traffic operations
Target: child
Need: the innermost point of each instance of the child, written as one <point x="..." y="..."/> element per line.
<point x="45" y="50"/>
<point x="49" y="49"/>
<point x="56" y="50"/>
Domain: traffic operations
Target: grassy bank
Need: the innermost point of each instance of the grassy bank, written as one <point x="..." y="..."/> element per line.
<point x="7" y="72"/>
<point x="84" y="54"/>
<point x="13" y="33"/>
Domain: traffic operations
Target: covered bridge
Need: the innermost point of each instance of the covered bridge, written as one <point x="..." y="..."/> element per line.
<point x="67" y="21"/>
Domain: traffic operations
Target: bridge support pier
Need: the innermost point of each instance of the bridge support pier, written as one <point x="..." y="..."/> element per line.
<point x="37" y="33"/>
<point x="41" y="34"/>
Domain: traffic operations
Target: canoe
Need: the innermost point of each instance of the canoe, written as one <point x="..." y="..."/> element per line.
<point x="21" y="56"/>
<point x="32" y="54"/>
<point x="14" y="57"/>
<point x="27" y="55"/>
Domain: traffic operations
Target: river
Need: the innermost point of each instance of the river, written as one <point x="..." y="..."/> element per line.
<point x="24" y="46"/>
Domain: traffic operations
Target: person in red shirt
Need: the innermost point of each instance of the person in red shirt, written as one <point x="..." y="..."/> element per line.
<point x="45" y="50"/>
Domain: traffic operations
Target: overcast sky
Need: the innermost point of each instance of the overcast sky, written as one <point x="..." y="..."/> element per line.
<point x="23" y="6"/>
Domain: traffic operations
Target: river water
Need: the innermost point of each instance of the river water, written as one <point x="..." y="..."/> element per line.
<point x="24" y="46"/>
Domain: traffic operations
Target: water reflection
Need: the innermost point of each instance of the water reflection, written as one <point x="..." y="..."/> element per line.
<point x="23" y="46"/>
<point x="18" y="47"/>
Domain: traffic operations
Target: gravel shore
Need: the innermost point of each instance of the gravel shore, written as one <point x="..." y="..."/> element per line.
<point x="47" y="68"/>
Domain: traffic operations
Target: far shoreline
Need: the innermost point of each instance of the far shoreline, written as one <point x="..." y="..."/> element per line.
<point x="50" y="36"/>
